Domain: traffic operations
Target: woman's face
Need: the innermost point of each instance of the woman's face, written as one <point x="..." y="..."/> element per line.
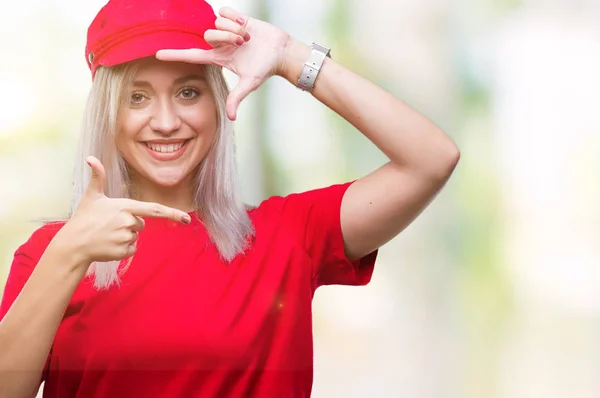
<point x="167" y="123"/>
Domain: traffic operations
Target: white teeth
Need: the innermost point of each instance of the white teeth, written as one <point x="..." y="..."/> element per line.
<point x="165" y="148"/>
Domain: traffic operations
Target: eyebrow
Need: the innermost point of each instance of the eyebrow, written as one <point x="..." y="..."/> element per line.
<point x="179" y="80"/>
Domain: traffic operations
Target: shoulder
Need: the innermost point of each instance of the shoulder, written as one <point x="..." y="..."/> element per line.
<point x="25" y="260"/>
<point x="296" y="211"/>
<point x="266" y="214"/>
<point x="294" y="201"/>
<point x="39" y="239"/>
<point x="274" y="209"/>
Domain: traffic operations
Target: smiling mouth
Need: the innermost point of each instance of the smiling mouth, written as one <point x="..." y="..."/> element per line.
<point x="166" y="148"/>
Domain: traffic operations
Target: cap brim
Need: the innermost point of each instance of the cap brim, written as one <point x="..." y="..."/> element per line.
<point x="149" y="44"/>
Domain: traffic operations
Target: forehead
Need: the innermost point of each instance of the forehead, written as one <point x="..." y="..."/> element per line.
<point x="151" y="69"/>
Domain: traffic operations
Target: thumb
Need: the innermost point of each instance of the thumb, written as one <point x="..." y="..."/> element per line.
<point x="96" y="184"/>
<point x="244" y="87"/>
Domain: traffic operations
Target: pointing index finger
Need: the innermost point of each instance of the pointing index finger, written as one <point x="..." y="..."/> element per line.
<point x="191" y="56"/>
<point x="156" y="210"/>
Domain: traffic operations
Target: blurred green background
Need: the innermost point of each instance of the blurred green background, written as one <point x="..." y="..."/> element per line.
<point x="493" y="291"/>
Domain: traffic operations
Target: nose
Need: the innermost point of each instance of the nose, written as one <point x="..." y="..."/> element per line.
<point x="165" y="118"/>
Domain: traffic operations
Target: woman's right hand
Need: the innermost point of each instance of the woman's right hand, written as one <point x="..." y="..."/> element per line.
<point x="105" y="229"/>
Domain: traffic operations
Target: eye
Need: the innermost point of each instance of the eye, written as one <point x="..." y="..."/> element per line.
<point x="137" y="98"/>
<point x="188" y="93"/>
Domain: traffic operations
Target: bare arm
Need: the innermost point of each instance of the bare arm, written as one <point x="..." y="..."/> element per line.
<point x="28" y="329"/>
<point x="380" y="205"/>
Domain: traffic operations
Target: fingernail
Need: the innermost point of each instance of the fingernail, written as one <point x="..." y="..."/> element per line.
<point x="239" y="41"/>
<point x="247" y="36"/>
<point x="186" y="219"/>
<point x="241" y="20"/>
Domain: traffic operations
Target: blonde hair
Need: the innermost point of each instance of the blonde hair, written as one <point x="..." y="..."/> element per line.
<point x="216" y="192"/>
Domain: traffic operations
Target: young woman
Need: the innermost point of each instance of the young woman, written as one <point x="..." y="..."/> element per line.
<point x="162" y="282"/>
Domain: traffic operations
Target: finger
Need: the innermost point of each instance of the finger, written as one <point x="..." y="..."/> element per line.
<point x="130" y="251"/>
<point x="244" y="87"/>
<point x="228" y="25"/>
<point x="192" y="56"/>
<point x="126" y="237"/>
<point x="230" y="13"/>
<point x="133" y="238"/>
<point x="217" y="38"/>
<point x="139" y="224"/>
<point x="146" y="209"/>
<point x="96" y="184"/>
<point x="131" y="222"/>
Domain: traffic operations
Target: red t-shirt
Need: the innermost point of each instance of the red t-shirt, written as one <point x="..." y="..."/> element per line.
<point x="185" y="324"/>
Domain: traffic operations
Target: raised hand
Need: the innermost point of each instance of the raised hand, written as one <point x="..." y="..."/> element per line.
<point x="106" y="229"/>
<point x="252" y="49"/>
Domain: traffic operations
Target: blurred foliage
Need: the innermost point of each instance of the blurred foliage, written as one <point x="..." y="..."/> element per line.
<point x="360" y="155"/>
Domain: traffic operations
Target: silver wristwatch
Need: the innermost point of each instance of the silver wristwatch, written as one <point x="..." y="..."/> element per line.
<point x="312" y="66"/>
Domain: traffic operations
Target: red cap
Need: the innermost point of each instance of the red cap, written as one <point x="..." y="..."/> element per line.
<point x="126" y="30"/>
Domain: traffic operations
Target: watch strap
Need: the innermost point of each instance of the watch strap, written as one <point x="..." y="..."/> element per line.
<point x="312" y="67"/>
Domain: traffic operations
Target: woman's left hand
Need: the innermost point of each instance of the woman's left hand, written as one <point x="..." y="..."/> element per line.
<point x="252" y="49"/>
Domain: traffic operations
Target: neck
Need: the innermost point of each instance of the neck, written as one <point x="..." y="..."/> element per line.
<point x="180" y="196"/>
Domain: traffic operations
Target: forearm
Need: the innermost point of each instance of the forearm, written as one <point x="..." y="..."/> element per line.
<point x="28" y="329"/>
<point x="408" y="138"/>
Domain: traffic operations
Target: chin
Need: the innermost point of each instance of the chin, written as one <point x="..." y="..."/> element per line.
<point x="167" y="177"/>
<point x="168" y="181"/>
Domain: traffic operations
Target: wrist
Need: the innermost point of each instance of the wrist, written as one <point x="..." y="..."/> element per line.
<point x="295" y="55"/>
<point x="66" y="247"/>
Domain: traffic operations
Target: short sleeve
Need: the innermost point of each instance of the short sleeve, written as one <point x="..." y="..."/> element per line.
<point x="314" y="216"/>
<point x="24" y="261"/>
